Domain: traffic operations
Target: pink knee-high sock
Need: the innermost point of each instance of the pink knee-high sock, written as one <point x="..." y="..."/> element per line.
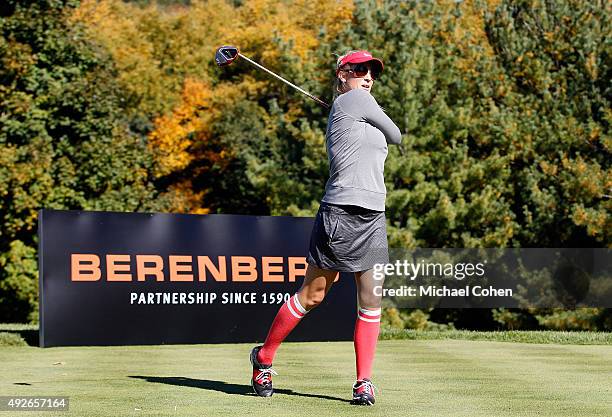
<point x="288" y="316"/>
<point x="367" y="327"/>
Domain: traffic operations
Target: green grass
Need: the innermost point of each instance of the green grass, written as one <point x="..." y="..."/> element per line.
<point x="18" y="334"/>
<point x="417" y="378"/>
<point x="11" y="339"/>
<point x="12" y="334"/>
<point x="522" y="336"/>
<point x="17" y="326"/>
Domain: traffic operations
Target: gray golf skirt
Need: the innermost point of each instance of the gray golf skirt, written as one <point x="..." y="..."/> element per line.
<point x="348" y="238"/>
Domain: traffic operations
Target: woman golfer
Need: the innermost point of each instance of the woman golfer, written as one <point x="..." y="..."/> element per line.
<point x="349" y="233"/>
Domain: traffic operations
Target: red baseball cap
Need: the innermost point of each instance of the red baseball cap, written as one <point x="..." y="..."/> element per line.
<point x="359" y="57"/>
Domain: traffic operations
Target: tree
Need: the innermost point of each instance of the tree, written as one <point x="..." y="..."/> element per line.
<point x="505" y="114"/>
<point x="63" y="143"/>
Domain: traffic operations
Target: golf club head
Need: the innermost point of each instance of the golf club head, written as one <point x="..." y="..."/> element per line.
<point x="226" y="55"/>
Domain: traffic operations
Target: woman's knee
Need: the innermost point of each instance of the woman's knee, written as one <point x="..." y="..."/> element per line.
<point x="368" y="288"/>
<point x="316" y="284"/>
<point x="311" y="298"/>
<point x="369" y="300"/>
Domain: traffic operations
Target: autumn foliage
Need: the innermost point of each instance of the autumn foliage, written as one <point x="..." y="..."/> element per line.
<point x="504" y="106"/>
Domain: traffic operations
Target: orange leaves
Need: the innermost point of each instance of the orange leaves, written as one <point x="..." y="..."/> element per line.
<point x="172" y="136"/>
<point x="597" y="222"/>
<point x="182" y="141"/>
<point x="548" y="168"/>
<point x="16" y="58"/>
<point x="461" y="26"/>
<point x="591" y="66"/>
<point x="155" y="48"/>
<point x="196" y="96"/>
<point x="258" y="22"/>
<point x="183" y="199"/>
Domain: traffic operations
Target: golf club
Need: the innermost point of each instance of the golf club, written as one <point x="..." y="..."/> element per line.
<point x="227" y="54"/>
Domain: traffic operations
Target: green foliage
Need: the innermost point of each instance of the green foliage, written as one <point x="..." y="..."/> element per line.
<point x="557" y="57"/>
<point x="63" y="142"/>
<point x="506" y="121"/>
<point x="514" y="319"/>
<point x="512" y="336"/>
<point x="504" y="107"/>
<point x="235" y="184"/>
<point x="578" y="319"/>
<point x="19" y="284"/>
<point x="499" y="152"/>
<point x="585" y="319"/>
<point x="11" y="339"/>
<point x="392" y="318"/>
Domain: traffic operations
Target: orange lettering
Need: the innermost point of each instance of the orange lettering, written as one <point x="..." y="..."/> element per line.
<point x="113" y="270"/>
<point x="143" y="270"/>
<point x="294" y="271"/>
<point x="242" y="272"/>
<point x="267" y="269"/>
<point x="176" y="267"/>
<point x="204" y="263"/>
<point x="85" y="267"/>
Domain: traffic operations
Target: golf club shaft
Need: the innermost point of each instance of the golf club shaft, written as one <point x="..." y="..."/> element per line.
<point x="324" y="104"/>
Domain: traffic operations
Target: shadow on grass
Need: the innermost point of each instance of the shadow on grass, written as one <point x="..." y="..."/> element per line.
<point x="235" y="389"/>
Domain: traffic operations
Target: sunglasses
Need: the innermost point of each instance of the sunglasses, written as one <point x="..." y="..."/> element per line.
<point x="361" y="70"/>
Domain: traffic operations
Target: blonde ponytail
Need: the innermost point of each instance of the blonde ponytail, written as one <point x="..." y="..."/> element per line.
<point x="337" y="82"/>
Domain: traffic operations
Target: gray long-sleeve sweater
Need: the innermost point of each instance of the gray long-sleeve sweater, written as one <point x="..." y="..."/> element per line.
<point x="358" y="132"/>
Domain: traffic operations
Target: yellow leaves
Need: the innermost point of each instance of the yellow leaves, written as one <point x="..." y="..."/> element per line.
<point x="190" y="123"/>
<point x="598" y="222"/>
<point x="117" y="27"/>
<point x="299" y="20"/>
<point x="591" y="66"/>
<point x="595" y="133"/>
<point x="586" y="179"/>
<point x="183" y="199"/>
<point x="179" y="138"/>
<point x="257" y="23"/>
<point x="155" y="48"/>
<point x="548" y="169"/>
<point x="16" y="58"/>
<point x="171" y="138"/>
<point x="580" y="216"/>
<point x="196" y="95"/>
<point x="468" y="33"/>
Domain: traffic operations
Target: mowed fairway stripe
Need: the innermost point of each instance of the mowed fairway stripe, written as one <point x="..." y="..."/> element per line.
<point x="527" y="379"/>
<point x="417" y="378"/>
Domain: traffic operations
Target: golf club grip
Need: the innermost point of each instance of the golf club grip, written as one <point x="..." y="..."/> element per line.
<point x="321" y="102"/>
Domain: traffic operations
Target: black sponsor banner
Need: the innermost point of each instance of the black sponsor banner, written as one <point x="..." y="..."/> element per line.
<point x="133" y="278"/>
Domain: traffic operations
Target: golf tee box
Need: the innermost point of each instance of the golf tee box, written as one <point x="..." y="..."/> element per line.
<point x="109" y="278"/>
